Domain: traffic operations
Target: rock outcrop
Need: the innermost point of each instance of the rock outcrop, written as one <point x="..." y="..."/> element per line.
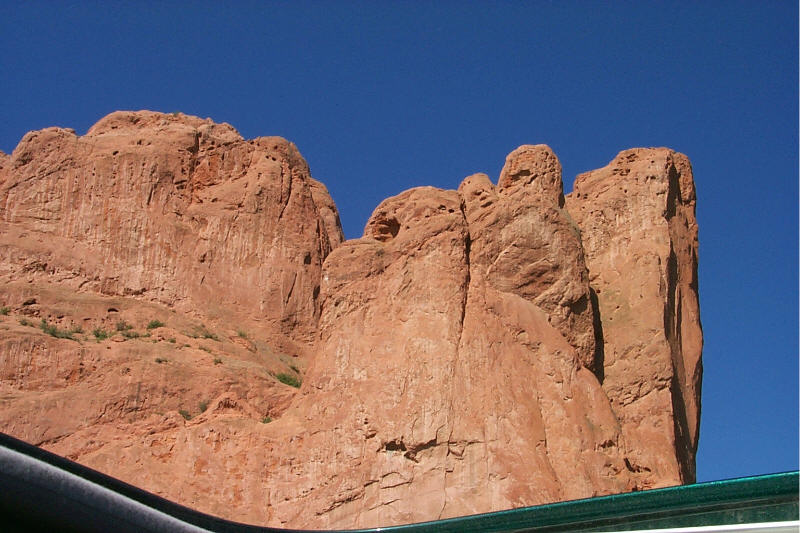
<point x="448" y="346"/>
<point x="477" y="349"/>
<point x="149" y="269"/>
<point x="176" y="210"/>
<point x="639" y="232"/>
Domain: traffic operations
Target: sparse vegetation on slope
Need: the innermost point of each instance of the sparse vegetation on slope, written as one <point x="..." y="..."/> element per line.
<point x="288" y="379"/>
<point x="53" y="330"/>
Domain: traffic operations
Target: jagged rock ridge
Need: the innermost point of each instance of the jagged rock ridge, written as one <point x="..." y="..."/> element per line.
<point x="475" y="350"/>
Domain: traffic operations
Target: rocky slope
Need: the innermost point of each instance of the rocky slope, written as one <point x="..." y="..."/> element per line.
<point x="164" y="281"/>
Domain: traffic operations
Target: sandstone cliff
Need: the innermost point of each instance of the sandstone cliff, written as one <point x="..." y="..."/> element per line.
<point x="479" y="349"/>
<point x="174" y="209"/>
<point x="637" y="217"/>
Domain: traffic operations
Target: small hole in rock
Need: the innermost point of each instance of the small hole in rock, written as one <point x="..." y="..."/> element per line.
<point x="386" y="229"/>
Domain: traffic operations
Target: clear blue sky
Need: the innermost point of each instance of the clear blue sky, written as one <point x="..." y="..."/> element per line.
<point x="383" y="96"/>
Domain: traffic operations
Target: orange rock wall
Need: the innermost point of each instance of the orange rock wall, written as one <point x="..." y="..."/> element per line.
<point x="176" y="210"/>
<point x="480" y="349"/>
<point x="639" y="232"/>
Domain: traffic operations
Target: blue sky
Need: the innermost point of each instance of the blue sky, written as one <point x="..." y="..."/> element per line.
<point x="383" y="96"/>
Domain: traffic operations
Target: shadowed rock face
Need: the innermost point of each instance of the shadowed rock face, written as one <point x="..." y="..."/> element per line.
<point x="475" y="350"/>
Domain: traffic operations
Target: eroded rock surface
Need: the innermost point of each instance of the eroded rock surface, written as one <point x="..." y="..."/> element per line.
<point x="152" y="218"/>
<point x="173" y="209"/>
<point x="477" y="349"/>
<point x="464" y="349"/>
<point x="639" y="232"/>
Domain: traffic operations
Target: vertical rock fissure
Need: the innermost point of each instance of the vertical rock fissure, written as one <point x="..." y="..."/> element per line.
<point x="681" y="429"/>
<point x="672" y="328"/>
<point x="599" y="343"/>
<point x="193" y="158"/>
<point x="451" y="417"/>
<point x="288" y="187"/>
<point x="467" y="282"/>
<point x="545" y="442"/>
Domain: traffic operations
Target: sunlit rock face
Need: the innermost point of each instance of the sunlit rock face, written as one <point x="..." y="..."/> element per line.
<point x="639" y="233"/>
<point x="176" y="210"/>
<point x="478" y="349"/>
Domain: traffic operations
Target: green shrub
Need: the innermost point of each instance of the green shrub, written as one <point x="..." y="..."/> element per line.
<point x="4" y="310"/>
<point x="100" y="334"/>
<point x="53" y="331"/>
<point x="288" y="379"/>
<point x="242" y="334"/>
<point x="171" y="340"/>
<point x="266" y="420"/>
<point x="217" y="361"/>
<point x="203" y="406"/>
<point x="153" y="324"/>
<point x="130" y="334"/>
<point x="160" y="360"/>
<point x="185" y="414"/>
<point x="25" y="322"/>
<point x="123" y="326"/>
<point x="47" y="328"/>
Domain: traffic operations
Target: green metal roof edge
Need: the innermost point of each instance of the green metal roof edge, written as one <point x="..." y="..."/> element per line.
<point x="766" y="498"/>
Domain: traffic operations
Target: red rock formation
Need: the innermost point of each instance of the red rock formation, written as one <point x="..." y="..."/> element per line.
<point x="151" y="216"/>
<point x="465" y="359"/>
<point x="639" y="233"/>
<point x="176" y="210"/>
<point x="458" y="344"/>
